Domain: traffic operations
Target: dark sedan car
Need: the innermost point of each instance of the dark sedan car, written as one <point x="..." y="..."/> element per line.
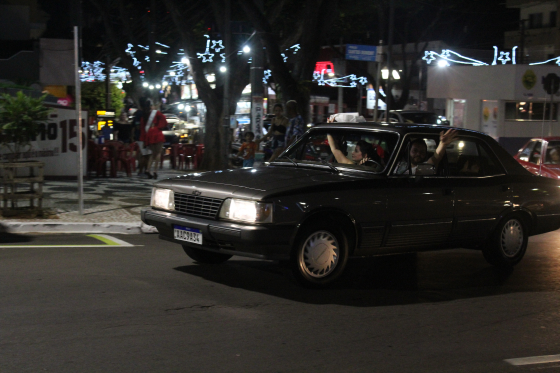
<point x="541" y="156"/>
<point x="306" y="209"/>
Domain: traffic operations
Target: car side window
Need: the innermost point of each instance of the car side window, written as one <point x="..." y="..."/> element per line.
<point x="405" y="161"/>
<point x="469" y="157"/>
<point x="526" y="152"/>
<point x="535" y="156"/>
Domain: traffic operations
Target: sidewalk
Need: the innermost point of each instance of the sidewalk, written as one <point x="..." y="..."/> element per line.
<point x="111" y="205"/>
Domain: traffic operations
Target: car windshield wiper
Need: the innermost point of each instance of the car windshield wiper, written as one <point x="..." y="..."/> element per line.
<point x="330" y="165"/>
<point x="288" y="158"/>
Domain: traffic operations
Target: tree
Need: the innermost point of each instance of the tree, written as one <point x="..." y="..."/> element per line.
<point x="20" y="118"/>
<point x="283" y="24"/>
<point x="93" y="97"/>
<point x="190" y="21"/>
<point x="132" y="31"/>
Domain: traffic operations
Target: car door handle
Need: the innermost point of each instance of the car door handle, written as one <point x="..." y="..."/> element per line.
<point x="447" y="191"/>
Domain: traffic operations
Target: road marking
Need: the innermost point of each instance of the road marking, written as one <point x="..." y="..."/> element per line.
<point x="534" y="360"/>
<point x="109" y="240"/>
<point x="106" y="239"/>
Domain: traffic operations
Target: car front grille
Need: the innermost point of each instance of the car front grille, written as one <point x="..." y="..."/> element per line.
<point x="204" y="207"/>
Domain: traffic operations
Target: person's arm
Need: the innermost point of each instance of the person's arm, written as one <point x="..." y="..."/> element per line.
<point x="445" y="138"/>
<point x="240" y="153"/>
<point x="339" y="156"/>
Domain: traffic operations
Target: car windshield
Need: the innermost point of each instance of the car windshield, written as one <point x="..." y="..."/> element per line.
<point x="422" y="118"/>
<point x="357" y="149"/>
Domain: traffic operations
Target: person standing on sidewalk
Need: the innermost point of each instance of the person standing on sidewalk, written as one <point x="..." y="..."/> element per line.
<point x="296" y="127"/>
<point x="151" y="126"/>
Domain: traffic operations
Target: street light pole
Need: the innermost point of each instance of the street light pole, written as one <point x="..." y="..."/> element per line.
<point x="226" y="123"/>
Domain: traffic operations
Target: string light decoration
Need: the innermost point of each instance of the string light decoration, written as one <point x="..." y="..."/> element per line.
<point x="94" y="71"/>
<point x="319" y="77"/>
<point x="448" y="55"/>
<point x="206" y="56"/>
<point x="267" y="74"/>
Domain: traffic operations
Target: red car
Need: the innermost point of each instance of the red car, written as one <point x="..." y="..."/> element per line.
<point x="541" y="156"/>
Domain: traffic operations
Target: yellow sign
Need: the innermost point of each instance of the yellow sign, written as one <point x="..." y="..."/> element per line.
<point x="101" y="112"/>
<point x="529" y="79"/>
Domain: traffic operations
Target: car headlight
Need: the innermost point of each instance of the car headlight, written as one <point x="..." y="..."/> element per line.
<point x="247" y="211"/>
<point x="163" y="199"/>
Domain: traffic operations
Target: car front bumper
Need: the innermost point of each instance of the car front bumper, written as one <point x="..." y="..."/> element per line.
<point x="261" y="242"/>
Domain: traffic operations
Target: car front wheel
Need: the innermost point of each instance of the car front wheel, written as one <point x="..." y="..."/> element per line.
<point x="205" y="257"/>
<point x="320" y="255"/>
<point x="507" y="245"/>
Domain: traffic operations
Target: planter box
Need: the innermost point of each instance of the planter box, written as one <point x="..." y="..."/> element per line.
<point x="21" y="181"/>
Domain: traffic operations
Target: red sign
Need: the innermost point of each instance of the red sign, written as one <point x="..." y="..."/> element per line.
<point x="326" y="67"/>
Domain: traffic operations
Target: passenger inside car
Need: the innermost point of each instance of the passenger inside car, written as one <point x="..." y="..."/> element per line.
<point x="553" y="156"/>
<point x="363" y="154"/>
<point x="418" y="153"/>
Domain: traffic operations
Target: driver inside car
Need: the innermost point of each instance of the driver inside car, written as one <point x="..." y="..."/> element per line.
<point x="419" y="151"/>
<point x="363" y="154"/>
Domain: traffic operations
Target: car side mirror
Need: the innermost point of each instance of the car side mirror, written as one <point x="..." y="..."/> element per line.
<point x="425" y="169"/>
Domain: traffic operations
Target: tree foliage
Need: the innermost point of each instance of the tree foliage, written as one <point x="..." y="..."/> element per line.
<point x="94" y="97"/>
<point x="20" y="118"/>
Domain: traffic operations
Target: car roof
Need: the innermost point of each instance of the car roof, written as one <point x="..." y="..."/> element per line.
<point x="402" y="128"/>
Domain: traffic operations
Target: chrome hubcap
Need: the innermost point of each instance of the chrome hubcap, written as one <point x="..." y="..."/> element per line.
<point x="319" y="256"/>
<point x="512" y="238"/>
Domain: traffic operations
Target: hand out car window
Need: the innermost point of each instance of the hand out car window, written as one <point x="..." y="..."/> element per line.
<point x="355" y="149"/>
<point x="469" y="157"/>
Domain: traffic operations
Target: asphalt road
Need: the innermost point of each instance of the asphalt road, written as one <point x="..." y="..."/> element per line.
<point x="98" y="305"/>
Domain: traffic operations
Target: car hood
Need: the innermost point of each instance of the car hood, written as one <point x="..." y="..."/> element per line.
<point x="259" y="182"/>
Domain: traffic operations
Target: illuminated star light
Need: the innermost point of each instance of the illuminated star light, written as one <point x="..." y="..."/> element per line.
<point x="267" y="75"/>
<point x="504" y="57"/>
<point x="206" y="56"/>
<point x="217" y="46"/>
<point x="429" y="56"/>
<point x="295" y="47"/>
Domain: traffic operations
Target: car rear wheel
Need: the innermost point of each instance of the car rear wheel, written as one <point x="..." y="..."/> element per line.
<point x="507" y="245"/>
<point x="320" y="255"/>
<point x="206" y="257"/>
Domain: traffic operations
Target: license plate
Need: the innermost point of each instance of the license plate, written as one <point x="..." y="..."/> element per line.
<point x="191" y="235"/>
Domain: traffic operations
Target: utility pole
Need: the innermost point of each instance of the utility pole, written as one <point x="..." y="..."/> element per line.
<point x="225" y="110"/>
<point x="522" y="42"/>
<point x="388" y="94"/>
<point x="257" y="88"/>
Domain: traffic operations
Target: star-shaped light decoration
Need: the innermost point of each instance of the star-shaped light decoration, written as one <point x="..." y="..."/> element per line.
<point x="295" y="47"/>
<point x="217" y="46"/>
<point x="504" y="57"/>
<point x="428" y="57"/>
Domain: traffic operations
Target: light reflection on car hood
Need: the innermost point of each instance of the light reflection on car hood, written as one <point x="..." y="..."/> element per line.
<point x="257" y="182"/>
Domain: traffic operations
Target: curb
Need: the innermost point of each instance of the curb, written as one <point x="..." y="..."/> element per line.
<point x="119" y="228"/>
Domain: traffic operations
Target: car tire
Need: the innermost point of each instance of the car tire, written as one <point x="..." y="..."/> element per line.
<point x="508" y="243"/>
<point x="205" y="257"/>
<point x="320" y="255"/>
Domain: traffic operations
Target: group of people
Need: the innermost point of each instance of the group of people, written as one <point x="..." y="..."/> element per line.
<point x="146" y="130"/>
<point x="283" y="131"/>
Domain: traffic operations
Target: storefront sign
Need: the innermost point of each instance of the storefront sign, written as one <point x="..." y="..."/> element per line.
<point x="361" y="52"/>
<point x="537" y="82"/>
<point x="257" y="116"/>
<point x="56" y="145"/>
